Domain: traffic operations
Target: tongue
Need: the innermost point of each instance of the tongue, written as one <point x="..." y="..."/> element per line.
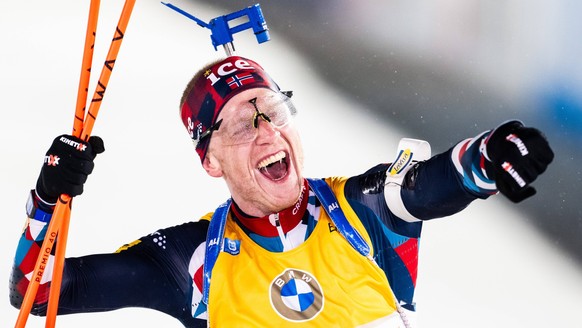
<point x="275" y="171"/>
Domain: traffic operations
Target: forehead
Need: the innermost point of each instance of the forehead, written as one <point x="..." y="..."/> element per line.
<point x="242" y="99"/>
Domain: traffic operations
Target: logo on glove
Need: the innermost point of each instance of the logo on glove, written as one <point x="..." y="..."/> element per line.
<point x="520" y="145"/>
<point x="51" y="160"/>
<point x="509" y="169"/>
<point x="79" y="146"/>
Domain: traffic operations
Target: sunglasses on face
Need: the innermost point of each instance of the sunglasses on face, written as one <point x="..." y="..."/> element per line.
<point x="243" y="126"/>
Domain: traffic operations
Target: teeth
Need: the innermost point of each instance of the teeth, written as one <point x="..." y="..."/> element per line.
<point x="271" y="159"/>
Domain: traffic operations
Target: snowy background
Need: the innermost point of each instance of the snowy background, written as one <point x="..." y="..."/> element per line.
<point x="485" y="267"/>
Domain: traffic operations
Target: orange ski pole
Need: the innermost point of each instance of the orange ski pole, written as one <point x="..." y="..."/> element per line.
<point x="59" y="261"/>
<point x="83" y="89"/>
<point x="88" y="123"/>
<point x="63" y="208"/>
<point x="107" y="69"/>
<point x="63" y="227"/>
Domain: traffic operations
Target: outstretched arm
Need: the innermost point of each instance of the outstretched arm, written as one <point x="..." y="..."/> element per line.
<point x="507" y="159"/>
<point x="441" y="186"/>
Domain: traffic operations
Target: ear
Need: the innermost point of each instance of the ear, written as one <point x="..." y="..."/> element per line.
<point x="212" y="166"/>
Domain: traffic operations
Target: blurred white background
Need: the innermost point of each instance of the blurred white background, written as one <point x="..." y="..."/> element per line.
<point x="485" y="267"/>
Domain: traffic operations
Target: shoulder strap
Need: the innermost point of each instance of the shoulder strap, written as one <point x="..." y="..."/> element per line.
<point x="329" y="201"/>
<point x="214" y="241"/>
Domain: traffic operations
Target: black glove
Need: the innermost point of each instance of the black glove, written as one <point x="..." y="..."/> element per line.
<point x="66" y="166"/>
<point x="518" y="156"/>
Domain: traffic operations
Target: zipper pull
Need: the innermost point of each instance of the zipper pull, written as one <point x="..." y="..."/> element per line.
<point x="274" y="220"/>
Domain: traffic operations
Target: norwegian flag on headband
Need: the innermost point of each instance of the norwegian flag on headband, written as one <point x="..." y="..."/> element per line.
<point x="239" y="80"/>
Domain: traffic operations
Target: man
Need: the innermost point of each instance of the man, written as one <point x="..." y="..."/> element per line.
<point x="284" y="250"/>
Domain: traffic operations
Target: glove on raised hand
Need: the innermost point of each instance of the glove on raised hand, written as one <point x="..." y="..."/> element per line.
<point x="66" y="166"/>
<point x="517" y="155"/>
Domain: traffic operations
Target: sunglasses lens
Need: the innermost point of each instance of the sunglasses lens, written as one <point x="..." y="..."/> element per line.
<point x="244" y="126"/>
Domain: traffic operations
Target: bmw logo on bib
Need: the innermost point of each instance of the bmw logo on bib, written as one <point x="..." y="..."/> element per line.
<point x="296" y="295"/>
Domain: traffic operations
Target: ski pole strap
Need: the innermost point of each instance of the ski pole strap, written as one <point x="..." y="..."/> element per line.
<point x="331" y="206"/>
<point x="214" y="242"/>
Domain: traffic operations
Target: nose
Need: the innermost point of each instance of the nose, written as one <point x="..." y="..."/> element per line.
<point x="266" y="131"/>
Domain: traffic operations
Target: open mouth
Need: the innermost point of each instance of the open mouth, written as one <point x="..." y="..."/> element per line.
<point x="274" y="167"/>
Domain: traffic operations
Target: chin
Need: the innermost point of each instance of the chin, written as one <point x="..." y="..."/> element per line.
<point x="284" y="193"/>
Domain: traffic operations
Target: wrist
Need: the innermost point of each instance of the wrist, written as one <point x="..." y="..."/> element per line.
<point x="38" y="209"/>
<point x="43" y="196"/>
<point x="473" y="166"/>
<point x="43" y="199"/>
<point x="488" y="166"/>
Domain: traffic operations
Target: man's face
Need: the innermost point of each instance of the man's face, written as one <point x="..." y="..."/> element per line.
<point x="260" y="161"/>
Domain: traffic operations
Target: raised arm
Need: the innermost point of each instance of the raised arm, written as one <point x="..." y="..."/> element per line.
<point x="67" y="164"/>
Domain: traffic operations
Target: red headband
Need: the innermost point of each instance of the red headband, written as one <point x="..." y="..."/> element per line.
<point x="213" y="89"/>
